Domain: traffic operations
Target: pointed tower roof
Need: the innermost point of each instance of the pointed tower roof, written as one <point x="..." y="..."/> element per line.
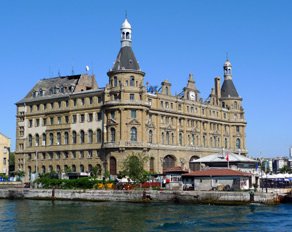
<point x="228" y="89"/>
<point x="126" y="59"/>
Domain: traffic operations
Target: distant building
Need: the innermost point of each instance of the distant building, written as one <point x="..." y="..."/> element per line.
<point x="69" y="123"/>
<point x="4" y="154"/>
<point x="279" y="163"/>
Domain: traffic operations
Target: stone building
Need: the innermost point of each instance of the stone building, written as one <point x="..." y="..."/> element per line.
<point x="70" y="123"/>
<point x="4" y="154"/>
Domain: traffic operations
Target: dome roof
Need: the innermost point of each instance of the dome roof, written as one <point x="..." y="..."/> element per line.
<point x="126" y="25"/>
<point x="227" y="63"/>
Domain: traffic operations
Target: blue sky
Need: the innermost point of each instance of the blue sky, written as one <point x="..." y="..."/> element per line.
<point x="170" y="40"/>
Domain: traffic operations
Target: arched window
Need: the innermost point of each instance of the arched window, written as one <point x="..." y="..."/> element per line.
<point x="166" y="90"/>
<point x="58" y="138"/>
<point x="43" y="169"/>
<point x="74" y="137"/>
<point x="167" y="137"/>
<point x="151" y="164"/>
<point x="98" y="136"/>
<point x="168" y="162"/>
<point x="89" y="168"/>
<point x="58" y="169"/>
<point x="51" y="139"/>
<point x="238" y="145"/>
<point x="134" y="134"/>
<point x="51" y="169"/>
<point x="193" y="140"/>
<point x="172" y="138"/>
<point x="73" y="168"/>
<point x="37" y="139"/>
<point x="162" y="138"/>
<point x="150" y="139"/>
<point x="44" y="143"/>
<point x="204" y="141"/>
<point x="81" y="136"/>
<point x="194" y="166"/>
<point x="180" y="139"/>
<point x="211" y="142"/>
<point x="66" y="138"/>
<point x="113" y="135"/>
<point x="90" y="136"/>
<point x="132" y="81"/>
<point x="113" y="166"/>
<point x="29" y="140"/>
<point x="81" y="168"/>
<point x="127" y="35"/>
<point x="235" y="104"/>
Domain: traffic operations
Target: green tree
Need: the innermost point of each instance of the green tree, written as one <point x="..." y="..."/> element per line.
<point x="133" y="167"/>
<point x="96" y="171"/>
<point x="285" y="169"/>
<point x="11" y="162"/>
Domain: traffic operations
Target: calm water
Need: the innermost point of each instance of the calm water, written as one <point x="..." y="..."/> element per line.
<point x="27" y="215"/>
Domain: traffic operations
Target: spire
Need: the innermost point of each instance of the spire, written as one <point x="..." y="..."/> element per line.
<point x="126" y="33"/>
<point x="126" y="59"/>
<point x="228" y="89"/>
<point x="227" y="70"/>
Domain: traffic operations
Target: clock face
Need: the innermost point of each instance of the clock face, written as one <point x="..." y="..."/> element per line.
<point x="192" y="95"/>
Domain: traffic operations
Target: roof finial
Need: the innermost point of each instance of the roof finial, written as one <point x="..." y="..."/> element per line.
<point x="126" y="14"/>
<point x="227" y="57"/>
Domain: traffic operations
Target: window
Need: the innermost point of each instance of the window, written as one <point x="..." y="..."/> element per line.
<point x="30" y="123"/>
<point x="82" y="118"/>
<point x="180" y="139"/>
<point x="21" y="131"/>
<point x="89" y="154"/>
<point x="58" y="138"/>
<point x="90" y="100"/>
<point x="81" y="154"/>
<point x="150" y="137"/>
<point x="113" y="166"/>
<point x="52" y="120"/>
<point x="59" y="104"/>
<point x="226" y="143"/>
<point x="90" y="136"/>
<point x="132" y="81"/>
<point x="90" y="117"/>
<point x="82" y="101"/>
<point x="99" y="99"/>
<point x="51" y="139"/>
<point x="167" y="137"/>
<point x="81" y="136"/>
<point x="73" y="155"/>
<point x="134" y="134"/>
<point x="113" y="135"/>
<point x="37" y="139"/>
<point x="37" y="122"/>
<point x="162" y="137"/>
<point x="74" y="118"/>
<point x="75" y="102"/>
<point x="151" y="164"/>
<point x="133" y="113"/>
<point x="168" y="162"/>
<point x="67" y="119"/>
<point x="74" y="137"/>
<point x="238" y="145"/>
<point x="115" y="81"/>
<point x="113" y="115"/>
<point x="44" y="121"/>
<point x="44" y="139"/>
<point x="98" y="136"/>
<point x="73" y="168"/>
<point x="59" y="120"/>
<point x="66" y="103"/>
<point x="29" y="140"/>
<point x="66" y="138"/>
<point x="132" y="97"/>
<point x="99" y="116"/>
<point x="237" y="129"/>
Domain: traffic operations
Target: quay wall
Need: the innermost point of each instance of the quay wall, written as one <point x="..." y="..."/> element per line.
<point x="210" y="197"/>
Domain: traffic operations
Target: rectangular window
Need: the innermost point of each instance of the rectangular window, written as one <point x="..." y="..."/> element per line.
<point x="67" y="103"/>
<point x="99" y="116"/>
<point x="82" y="118"/>
<point x="59" y="120"/>
<point x="67" y="119"/>
<point x="37" y="122"/>
<point x="132" y="97"/>
<point x="52" y="120"/>
<point x="99" y="99"/>
<point x="74" y="118"/>
<point x="21" y="131"/>
<point x="30" y="123"/>
<point x="90" y="117"/>
<point x="113" y="115"/>
<point x="133" y="113"/>
<point x="75" y="102"/>
<point x="90" y="100"/>
<point x="44" y="121"/>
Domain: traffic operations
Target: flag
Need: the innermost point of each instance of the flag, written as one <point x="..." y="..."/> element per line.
<point x="227" y="156"/>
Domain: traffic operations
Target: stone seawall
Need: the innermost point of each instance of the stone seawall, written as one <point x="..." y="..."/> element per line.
<point x="210" y="197"/>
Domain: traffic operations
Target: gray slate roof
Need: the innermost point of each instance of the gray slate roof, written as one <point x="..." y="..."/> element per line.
<point x="48" y="85"/>
<point x="228" y="89"/>
<point x="126" y="60"/>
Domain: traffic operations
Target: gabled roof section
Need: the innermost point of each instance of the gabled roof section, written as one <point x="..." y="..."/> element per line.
<point x="217" y="173"/>
<point x="126" y="60"/>
<point x="228" y="90"/>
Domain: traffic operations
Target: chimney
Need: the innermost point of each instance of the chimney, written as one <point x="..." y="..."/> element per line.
<point x="217" y="88"/>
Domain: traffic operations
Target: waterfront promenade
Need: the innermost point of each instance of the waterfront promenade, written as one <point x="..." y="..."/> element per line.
<point x="195" y="197"/>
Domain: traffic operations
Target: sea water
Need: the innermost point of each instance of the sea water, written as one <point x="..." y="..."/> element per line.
<point x="35" y="215"/>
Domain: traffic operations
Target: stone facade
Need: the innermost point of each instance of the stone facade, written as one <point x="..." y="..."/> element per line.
<point x="69" y="123"/>
<point x="4" y="154"/>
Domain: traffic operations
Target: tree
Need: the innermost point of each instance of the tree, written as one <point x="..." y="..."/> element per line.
<point x="285" y="169"/>
<point x="133" y="167"/>
<point x="96" y="171"/>
<point x="11" y="162"/>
